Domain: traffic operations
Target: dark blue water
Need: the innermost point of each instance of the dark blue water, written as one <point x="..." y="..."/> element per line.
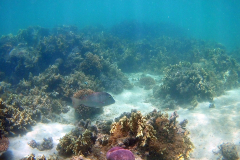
<point x="205" y="19"/>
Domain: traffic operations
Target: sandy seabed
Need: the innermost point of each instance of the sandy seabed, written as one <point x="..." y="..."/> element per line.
<point x="209" y="127"/>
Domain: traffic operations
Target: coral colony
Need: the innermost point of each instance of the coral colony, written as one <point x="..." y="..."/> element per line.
<point x="42" y="68"/>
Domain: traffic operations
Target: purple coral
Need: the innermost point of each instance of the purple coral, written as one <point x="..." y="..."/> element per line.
<point x="117" y="153"/>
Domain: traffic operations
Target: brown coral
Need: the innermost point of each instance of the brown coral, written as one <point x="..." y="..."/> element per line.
<point x="81" y="93"/>
<point x="155" y="134"/>
<point x="70" y="144"/>
<point x="147" y="82"/>
<point x="14" y="119"/>
<point x="81" y="157"/>
<point x="136" y="126"/>
<point x="92" y="64"/>
<point x="229" y="151"/>
<point x="20" y="121"/>
<point x="83" y="144"/>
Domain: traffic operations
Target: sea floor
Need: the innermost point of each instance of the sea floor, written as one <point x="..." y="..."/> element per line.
<point x="209" y="127"/>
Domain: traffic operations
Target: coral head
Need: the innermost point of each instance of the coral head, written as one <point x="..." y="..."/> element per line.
<point x="119" y="153"/>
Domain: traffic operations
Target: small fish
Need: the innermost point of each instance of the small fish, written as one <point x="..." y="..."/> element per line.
<point x="86" y="83"/>
<point x="97" y="100"/>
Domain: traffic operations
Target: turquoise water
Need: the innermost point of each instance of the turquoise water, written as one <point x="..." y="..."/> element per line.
<point x="208" y="20"/>
<point x="148" y="55"/>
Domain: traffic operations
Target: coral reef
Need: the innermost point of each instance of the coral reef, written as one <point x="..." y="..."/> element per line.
<point x="136" y="125"/>
<point x="40" y="103"/>
<point x="79" y="141"/>
<point x="161" y="137"/>
<point x="115" y="86"/>
<point x="111" y="78"/>
<point x="229" y="151"/>
<point x="104" y="126"/>
<point x="42" y="157"/>
<point x="190" y="83"/>
<point x="186" y="83"/>
<point x="77" y="81"/>
<point x="91" y="64"/>
<point x="154" y="136"/>
<point x="14" y="119"/>
<point x="45" y="145"/>
<point x="147" y="82"/>
<point x="42" y="68"/>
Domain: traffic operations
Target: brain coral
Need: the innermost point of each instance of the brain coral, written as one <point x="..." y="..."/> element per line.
<point x="119" y="153"/>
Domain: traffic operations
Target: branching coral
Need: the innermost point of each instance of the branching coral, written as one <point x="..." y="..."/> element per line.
<point x="229" y="151"/>
<point x="172" y="139"/>
<point x="92" y="64"/>
<point x="78" y="141"/>
<point x="77" y="81"/>
<point x="154" y="136"/>
<point x="113" y="78"/>
<point x="186" y="83"/>
<point x="155" y="133"/>
<point x="15" y="120"/>
<point x="83" y="143"/>
<point x="41" y="157"/>
<point x="38" y="102"/>
<point x="20" y="121"/>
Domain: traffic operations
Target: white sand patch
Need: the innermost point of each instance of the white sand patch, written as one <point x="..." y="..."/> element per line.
<point x="126" y="101"/>
<point x="210" y="127"/>
<point x="19" y="145"/>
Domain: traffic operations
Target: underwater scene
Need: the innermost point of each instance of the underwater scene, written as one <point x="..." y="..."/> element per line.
<point x="119" y="80"/>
